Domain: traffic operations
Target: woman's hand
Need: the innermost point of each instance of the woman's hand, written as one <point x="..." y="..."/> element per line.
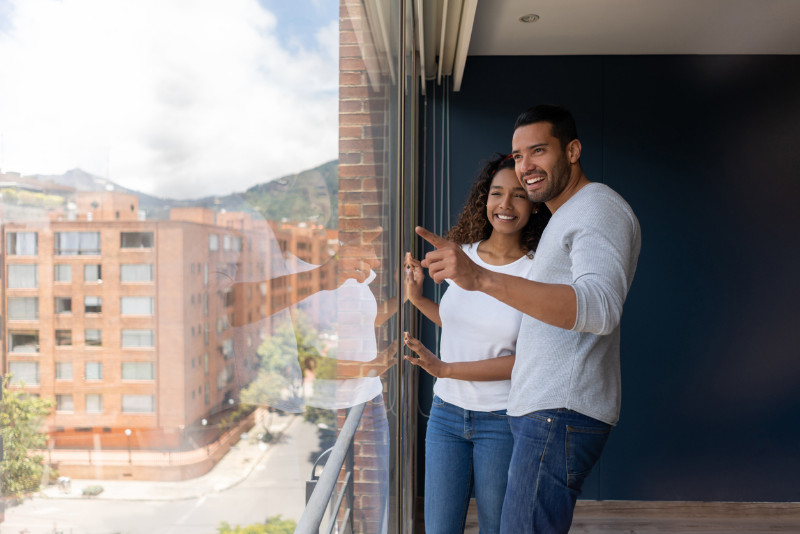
<point x="426" y="359"/>
<point x="413" y="278"/>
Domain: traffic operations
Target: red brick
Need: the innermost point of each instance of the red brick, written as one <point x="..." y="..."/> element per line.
<point x="352" y="63"/>
<point x="350" y="78"/>
<point x="351" y="106"/>
<point x="350" y="158"/>
<point x="351" y="210"/>
<point x="350" y="132"/>
<point x="350" y="184"/>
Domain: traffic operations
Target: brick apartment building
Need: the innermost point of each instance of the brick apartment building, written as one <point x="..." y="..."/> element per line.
<point x="128" y="324"/>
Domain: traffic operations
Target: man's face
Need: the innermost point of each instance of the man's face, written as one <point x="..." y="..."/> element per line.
<point x="541" y="162"/>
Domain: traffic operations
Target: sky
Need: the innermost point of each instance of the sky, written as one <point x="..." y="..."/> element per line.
<point x="174" y="98"/>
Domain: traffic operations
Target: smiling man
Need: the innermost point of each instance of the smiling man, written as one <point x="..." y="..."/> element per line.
<point x="565" y="385"/>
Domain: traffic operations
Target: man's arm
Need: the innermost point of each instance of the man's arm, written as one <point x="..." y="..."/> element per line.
<point x="554" y="304"/>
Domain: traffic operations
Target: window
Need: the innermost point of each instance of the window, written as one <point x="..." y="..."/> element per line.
<point x="138" y="404"/>
<point x="23" y="308"/>
<point x="64" y="403"/>
<point x="62" y="272"/>
<point x="138" y="371"/>
<point x="63" y="370"/>
<point x="77" y="243"/>
<point x="213" y="242"/>
<point x="92" y="273"/>
<point x="138" y="338"/>
<point x="24" y="373"/>
<point x="63" y="305"/>
<point x="226" y="242"/>
<point x="23" y="276"/>
<point x="93" y="371"/>
<point x="93" y="337"/>
<point x="136" y="272"/>
<point x="23" y="342"/>
<point x="136" y="240"/>
<point x="21" y="244"/>
<point x="137" y="305"/>
<point x="94" y="403"/>
<point x="92" y="304"/>
<point x="237" y="244"/>
<point x="63" y="338"/>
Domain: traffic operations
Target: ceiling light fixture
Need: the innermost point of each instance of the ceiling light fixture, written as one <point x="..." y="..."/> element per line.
<point x="529" y="18"/>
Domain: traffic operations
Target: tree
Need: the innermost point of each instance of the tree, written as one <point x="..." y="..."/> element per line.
<point x="21" y="417"/>
<point x="273" y="525"/>
<point x="279" y="382"/>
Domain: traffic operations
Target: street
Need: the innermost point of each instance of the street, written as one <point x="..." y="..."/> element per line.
<point x="275" y="486"/>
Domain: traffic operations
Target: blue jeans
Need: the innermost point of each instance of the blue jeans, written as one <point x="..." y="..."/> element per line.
<point x="554" y="450"/>
<point x="465" y="449"/>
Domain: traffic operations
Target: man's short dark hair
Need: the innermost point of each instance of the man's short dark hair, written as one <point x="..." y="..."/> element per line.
<point x="561" y="120"/>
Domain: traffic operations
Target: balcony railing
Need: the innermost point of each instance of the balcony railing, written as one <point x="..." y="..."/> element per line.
<point x="341" y="454"/>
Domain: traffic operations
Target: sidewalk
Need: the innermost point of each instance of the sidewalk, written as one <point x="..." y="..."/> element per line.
<point x="234" y="467"/>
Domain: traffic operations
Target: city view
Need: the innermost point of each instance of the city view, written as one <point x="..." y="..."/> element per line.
<point x="197" y="262"/>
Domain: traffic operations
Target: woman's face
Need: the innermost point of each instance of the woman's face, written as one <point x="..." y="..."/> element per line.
<point x="507" y="205"/>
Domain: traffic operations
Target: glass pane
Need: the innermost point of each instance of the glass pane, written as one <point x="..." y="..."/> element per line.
<point x="234" y="167"/>
<point x="23" y="276"/>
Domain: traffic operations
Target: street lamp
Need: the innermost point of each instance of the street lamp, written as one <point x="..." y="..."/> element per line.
<point x="204" y="422"/>
<point x="128" y="434"/>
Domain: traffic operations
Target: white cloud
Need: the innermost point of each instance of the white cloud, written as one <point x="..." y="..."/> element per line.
<point x="178" y="98"/>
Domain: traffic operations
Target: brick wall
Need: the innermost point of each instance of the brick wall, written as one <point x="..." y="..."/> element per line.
<point x="364" y="202"/>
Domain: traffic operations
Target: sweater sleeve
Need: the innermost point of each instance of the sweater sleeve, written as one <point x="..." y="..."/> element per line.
<point x="603" y="248"/>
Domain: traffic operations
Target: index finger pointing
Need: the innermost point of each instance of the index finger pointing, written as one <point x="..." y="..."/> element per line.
<point x="430" y="237"/>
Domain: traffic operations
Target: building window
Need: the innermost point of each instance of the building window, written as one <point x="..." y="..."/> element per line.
<point x="136" y="272"/>
<point x="77" y="243"/>
<point x="213" y="242"/>
<point x="138" y="404"/>
<point x="93" y="337"/>
<point x="92" y="273"/>
<point x="63" y="305"/>
<point x="93" y="371"/>
<point x="138" y="371"/>
<point x="63" y="370"/>
<point x="24" y="373"/>
<point x="23" y="342"/>
<point x="23" y="308"/>
<point x="23" y="276"/>
<point x="62" y="272"/>
<point x="92" y="304"/>
<point x="21" y="244"/>
<point x="205" y="363"/>
<point x="64" y="403"/>
<point x="226" y="242"/>
<point x="138" y="338"/>
<point x="137" y="305"/>
<point x="63" y="338"/>
<point x="94" y="403"/>
<point x="136" y="240"/>
<point x="237" y="244"/>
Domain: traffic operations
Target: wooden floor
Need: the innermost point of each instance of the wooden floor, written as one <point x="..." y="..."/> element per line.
<point x="644" y="517"/>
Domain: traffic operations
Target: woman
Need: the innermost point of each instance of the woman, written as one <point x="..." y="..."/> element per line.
<point x="468" y="442"/>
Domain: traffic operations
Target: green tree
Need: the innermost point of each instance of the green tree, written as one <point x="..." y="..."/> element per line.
<point x="21" y="417"/>
<point x="291" y="350"/>
<point x="273" y="525"/>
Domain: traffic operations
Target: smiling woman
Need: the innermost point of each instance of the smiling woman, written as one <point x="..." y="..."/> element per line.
<point x="238" y="168"/>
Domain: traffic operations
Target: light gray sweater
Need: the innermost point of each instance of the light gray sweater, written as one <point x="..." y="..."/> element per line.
<point x="591" y="243"/>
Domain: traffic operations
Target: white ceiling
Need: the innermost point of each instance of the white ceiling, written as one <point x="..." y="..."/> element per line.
<point x="579" y="27"/>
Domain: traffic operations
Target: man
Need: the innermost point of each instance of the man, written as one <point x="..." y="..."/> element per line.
<point x="565" y="386"/>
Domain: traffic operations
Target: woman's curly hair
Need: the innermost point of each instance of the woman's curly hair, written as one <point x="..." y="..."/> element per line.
<point x="473" y="224"/>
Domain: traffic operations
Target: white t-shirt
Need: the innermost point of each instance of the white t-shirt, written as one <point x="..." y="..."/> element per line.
<point x="350" y="312"/>
<point x="477" y="327"/>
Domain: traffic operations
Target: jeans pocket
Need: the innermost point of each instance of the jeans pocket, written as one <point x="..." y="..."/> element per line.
<point x="437" y="401"/>
<point x="584" y="446"/>
<point x="500" y="414"/>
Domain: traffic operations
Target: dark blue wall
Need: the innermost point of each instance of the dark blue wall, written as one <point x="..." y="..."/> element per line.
<point x="707" y="151"/>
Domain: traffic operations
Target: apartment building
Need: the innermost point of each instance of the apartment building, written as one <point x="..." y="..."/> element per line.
<point x="136" y="328"/>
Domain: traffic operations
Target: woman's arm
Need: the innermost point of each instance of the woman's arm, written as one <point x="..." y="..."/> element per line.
<point x="413" y="281"/>
<point x="491" y="369"/>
